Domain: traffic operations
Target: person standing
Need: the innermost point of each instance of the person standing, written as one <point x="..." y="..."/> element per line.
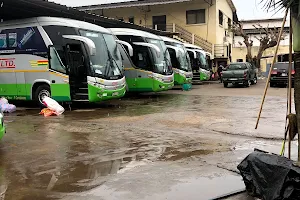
<point x="220" y="70"/>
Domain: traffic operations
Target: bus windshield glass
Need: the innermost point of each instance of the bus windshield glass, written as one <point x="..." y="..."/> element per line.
<point x="107" y="62"/>
<point x="163" y="62"/>
<point x="183" y="58"/>
<point x="202" y="59"/>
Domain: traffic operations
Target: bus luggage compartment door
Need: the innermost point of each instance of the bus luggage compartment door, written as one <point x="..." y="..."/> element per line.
<point x="21" y="86"/>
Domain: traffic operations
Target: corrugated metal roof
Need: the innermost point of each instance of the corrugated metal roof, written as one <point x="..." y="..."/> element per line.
<point x="138" y="3"/>
<point x="129" y="4"/>
<point x="20" y="9"/>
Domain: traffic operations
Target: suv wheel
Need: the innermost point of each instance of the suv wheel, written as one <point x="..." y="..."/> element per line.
<point x="272" y="84"/>
<point x="225" y="84"/>
<point x="247" y="83"/>
<point x="254" y="81"/>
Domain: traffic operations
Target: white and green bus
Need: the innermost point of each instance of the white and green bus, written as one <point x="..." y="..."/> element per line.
<point x="200" y="65"/>
<point x="65" y="59"/>
<point x="148" y="66"/>
<point x="180" y="60"/>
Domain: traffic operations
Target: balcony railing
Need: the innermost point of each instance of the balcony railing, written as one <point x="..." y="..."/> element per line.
<point x="184" y="34"/>
<point x="221" y="51"/>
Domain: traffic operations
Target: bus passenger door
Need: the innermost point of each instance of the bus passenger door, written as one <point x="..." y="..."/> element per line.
<point x="142" y="60"/>
<point x="129" y="70"/>
<point x="59" y="80"/>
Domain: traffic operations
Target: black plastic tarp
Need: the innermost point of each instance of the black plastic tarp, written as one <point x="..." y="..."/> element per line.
<point x="270" y="177"/>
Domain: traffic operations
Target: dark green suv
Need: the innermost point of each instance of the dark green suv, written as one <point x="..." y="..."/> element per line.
<point x="240" y="73"/>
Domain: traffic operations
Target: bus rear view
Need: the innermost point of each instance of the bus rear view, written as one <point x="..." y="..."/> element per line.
<point x="151" y="69"/>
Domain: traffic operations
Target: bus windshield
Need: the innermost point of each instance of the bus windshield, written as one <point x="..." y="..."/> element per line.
<point x="202" y="59"/>
<point x="163" y="62"/>
<point x="107" y="62"/>
<point x="183" y="58"/>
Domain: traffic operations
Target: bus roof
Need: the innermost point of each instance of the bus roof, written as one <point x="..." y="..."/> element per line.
<point x="46" y="21"/>
<point x="128" y="31"/>
<point x="192" y="46"/>
<point x="168" y="39"/>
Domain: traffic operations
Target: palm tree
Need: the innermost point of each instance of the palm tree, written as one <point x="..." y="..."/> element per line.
<point x="294" y="6"/>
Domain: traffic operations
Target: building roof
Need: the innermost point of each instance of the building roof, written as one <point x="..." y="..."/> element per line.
<point x="21" y="9"/>
<point x="57" y="21"/>
<point x="135" y="3"/>
<point x="262" y="20"/>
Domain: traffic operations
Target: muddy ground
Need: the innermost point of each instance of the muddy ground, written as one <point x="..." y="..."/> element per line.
<point x="174" y="145"/>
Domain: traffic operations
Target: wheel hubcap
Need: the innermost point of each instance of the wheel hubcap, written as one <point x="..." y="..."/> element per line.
<point x="42" y="94"/>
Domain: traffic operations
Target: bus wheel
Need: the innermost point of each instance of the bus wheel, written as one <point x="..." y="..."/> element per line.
<point x="41" y="92"/>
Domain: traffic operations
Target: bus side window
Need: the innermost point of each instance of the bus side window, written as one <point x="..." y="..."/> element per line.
<point x="55" y="61"/>
<point x="141" y="58"/>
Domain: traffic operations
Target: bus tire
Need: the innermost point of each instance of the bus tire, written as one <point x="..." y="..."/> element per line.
<point x="41" y="92"/>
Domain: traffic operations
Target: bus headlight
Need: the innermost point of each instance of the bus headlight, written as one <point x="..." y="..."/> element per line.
<point x="182" y="74"/>
<point x="158" y="78"/>
<point x="99" y="85"/>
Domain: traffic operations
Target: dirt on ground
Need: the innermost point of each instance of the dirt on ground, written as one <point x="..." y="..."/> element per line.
<point x="171" y="145"/>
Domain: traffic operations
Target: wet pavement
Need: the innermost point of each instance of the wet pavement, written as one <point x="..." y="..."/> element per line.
<point x="173" y="145"/>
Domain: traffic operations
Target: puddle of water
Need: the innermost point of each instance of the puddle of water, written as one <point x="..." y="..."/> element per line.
<point x="204" y="188"/>
<point x="172" y="154"/>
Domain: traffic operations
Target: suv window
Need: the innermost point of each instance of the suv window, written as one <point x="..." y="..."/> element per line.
<point x="239" y="66"/>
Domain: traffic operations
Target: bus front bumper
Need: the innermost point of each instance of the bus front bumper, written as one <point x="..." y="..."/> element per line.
<point x="98" y="94"/>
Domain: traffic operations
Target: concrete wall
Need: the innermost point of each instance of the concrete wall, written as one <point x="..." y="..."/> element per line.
<point x="224" y="7"/>
<point x="256" y="42"/>
<point x="240" y="53"/>
<point x="176" y="13"/>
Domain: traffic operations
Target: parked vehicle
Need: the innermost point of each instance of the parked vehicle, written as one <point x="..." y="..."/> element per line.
<point x="66" y="59"/>
<point x="180" y="61"/>
<point x="199" y="62"/>
<point x="240" y="73"/>
<point x="279" y="74"/>
<point x="148" y="65"/>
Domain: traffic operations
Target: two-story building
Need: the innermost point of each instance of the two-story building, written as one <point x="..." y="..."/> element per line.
<point x="201" y="22"/>
<point x="239" y="50"/>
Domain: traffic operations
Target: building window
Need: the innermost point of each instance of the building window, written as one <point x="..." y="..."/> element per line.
<point x="229" y="23"/>
<point x="221" y="18"/>
<point x="195" y="16"/>
<point x="239" y="60"/>
<point x="131" y="20"/>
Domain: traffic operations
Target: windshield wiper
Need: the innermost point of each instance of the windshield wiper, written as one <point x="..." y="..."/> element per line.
<point x="166" y="69"/>
<point x="107" y="65"/>
<point x="113" y="60"/>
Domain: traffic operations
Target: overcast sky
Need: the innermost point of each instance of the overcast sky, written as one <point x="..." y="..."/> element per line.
<point x="251" y="9"/>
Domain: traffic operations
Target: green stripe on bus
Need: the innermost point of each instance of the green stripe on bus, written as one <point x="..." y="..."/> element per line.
<point x="60" y="92"/>
<point x="147" y="85"/>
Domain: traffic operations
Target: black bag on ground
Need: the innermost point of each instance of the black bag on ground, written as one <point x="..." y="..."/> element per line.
<point x="270" y="177"/>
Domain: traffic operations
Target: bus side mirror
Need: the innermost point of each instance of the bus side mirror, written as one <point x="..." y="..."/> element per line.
<point x="194" y="53"/>
<point x="153" y="46"/>
<point x="130" y="48"/>
<point x="90" y="43"/>
<point x="176" y="49"/>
